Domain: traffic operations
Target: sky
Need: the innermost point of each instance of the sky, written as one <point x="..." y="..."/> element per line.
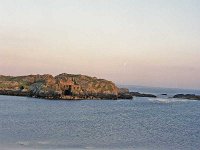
<point x="131" y="42"/>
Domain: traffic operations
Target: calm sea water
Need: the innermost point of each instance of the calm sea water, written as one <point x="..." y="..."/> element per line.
<point x="159" y="91"/>
<point x="141" y="123"/>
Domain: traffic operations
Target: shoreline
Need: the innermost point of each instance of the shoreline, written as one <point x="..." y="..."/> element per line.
<point x="75" y="98"/>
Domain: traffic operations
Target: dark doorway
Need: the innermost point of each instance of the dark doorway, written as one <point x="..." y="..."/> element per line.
<point x="68" y="91"/>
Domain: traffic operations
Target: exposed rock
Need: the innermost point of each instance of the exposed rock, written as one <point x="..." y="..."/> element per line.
<point x="14" y="93"/>
<point x="81" y="84"/>
<point x="187" y="96"/>
<point x="164" y="94"/>
<point x="63" y="86"/>
<point x="137" y="94"/>
<point x="124" y="94"/>
<point x="123" y="90"/>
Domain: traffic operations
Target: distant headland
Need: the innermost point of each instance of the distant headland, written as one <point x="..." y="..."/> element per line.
<point x="63" y="86"/>
<point x="70" y="87"/>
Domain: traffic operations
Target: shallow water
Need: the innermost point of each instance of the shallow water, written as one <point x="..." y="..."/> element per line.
<point x="141" y="123"/>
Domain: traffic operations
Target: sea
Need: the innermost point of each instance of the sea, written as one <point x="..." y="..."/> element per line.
<point x="161" y="123"/>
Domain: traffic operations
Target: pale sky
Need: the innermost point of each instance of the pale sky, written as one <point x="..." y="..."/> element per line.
<point x="134" y="42"/>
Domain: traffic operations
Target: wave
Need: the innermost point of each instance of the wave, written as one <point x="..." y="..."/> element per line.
<point x="168" y="100"/>
<point x="43" y="142"/>
<point x="23" y="143"/>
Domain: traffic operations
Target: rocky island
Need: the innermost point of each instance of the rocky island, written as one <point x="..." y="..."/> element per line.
<point x="63" y="86"/>
<point x="187" y="96"/>
<point x="137" y="94"/>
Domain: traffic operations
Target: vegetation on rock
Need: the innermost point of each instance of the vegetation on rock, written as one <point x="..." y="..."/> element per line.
<point x="64" y="86"/>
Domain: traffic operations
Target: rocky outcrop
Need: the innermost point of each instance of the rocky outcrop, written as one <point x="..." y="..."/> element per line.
<point x="164" y="94"/>
<point x="124" y="94"/>
<point x="123" y="90"/>
<point x="62" y="86"/>
<point x="137" y="94"/>
<point x="187" y="96"/>
<point x="81" y="84"/>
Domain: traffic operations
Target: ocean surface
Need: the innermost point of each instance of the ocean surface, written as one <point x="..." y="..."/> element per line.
<point x="158" y="91"/>
<point x="138" y="124"/>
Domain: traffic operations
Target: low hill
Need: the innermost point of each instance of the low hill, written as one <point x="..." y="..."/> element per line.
<point x="63" y="86"/>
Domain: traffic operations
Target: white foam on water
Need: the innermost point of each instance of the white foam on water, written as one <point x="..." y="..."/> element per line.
<point x="23" y="143"/>
<point x="43" y="142"/>
<point x="168" y="100"/>
<point x="89" y="147"/>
